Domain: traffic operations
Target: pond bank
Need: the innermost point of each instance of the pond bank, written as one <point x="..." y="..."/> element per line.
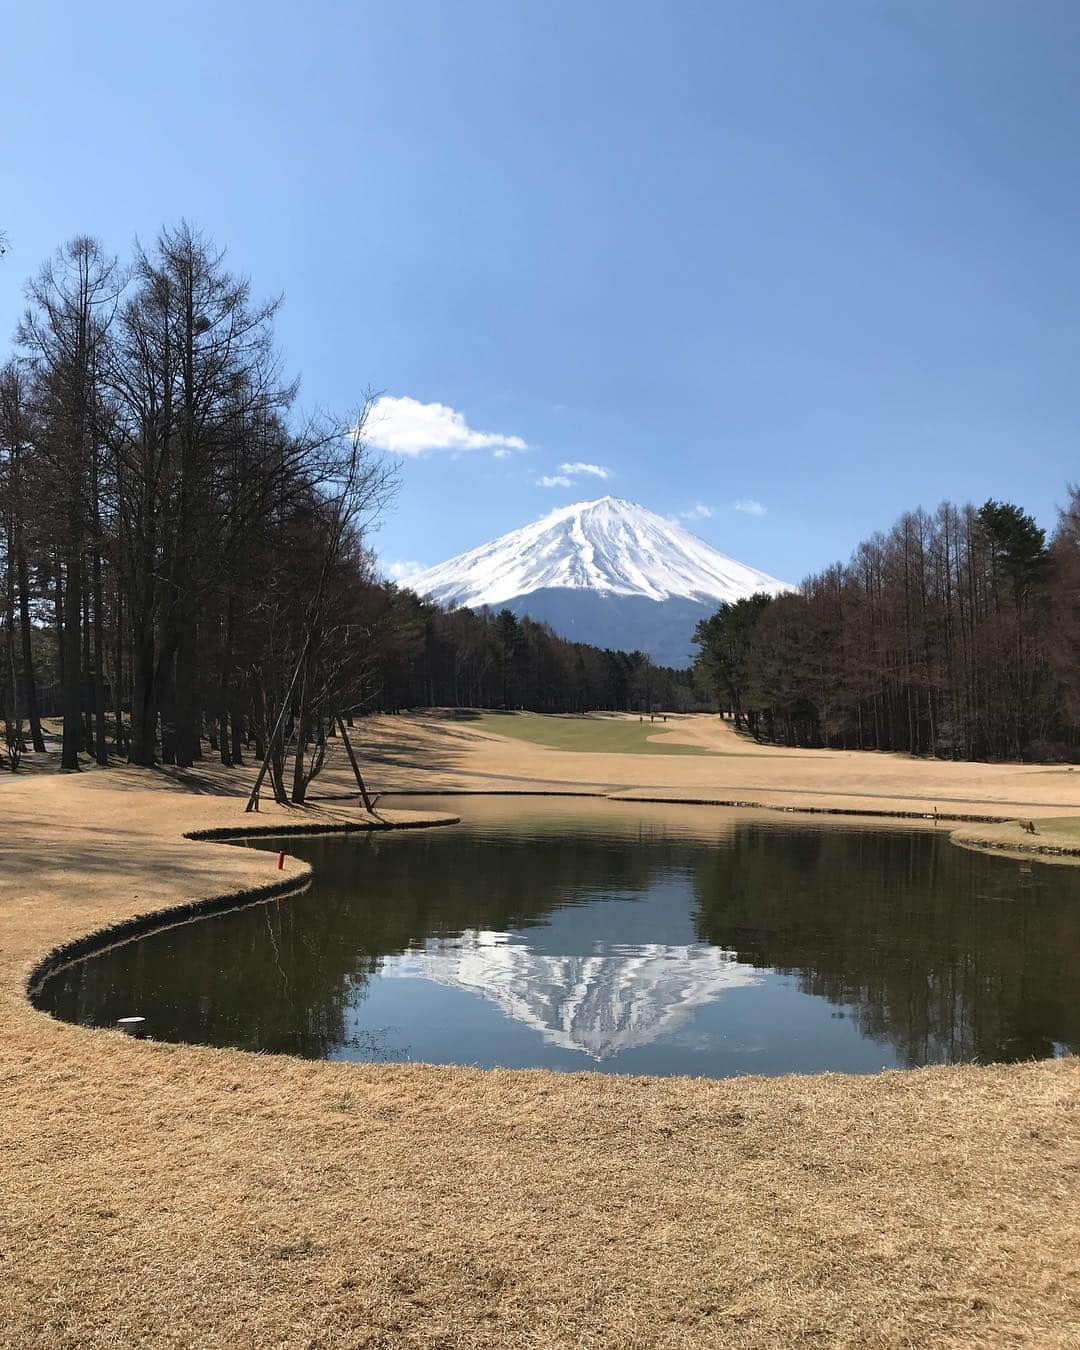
<point x="156" y="1194"/>
<point x="1056" y="840"/>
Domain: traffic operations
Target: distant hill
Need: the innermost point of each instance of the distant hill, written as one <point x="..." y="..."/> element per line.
<point x="608" y="572"/>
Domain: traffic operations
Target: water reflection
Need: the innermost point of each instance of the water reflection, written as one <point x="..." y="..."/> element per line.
<point x="614" y="999"/>
<point x="622" y="937"/>
<point x="949" y="955"/>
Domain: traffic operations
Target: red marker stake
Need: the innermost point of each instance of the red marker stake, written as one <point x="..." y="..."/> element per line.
<point x="281" y="861"/>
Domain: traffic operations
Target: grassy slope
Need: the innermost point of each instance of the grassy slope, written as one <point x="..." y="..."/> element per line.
<point x="613" y="735"/>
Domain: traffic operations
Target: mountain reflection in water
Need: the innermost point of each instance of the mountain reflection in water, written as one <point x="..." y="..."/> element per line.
<point x="608" y="1001"/>
<point x="623" y="937"/>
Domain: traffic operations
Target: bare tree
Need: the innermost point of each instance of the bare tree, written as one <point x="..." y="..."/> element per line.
<point x="350" y="487"/>
<point x="73" y="299"/>
<point x="197" y="455"/>
<point x="16" y="443"/>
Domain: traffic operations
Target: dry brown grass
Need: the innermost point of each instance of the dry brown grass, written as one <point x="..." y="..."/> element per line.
<point x="157" y="1195"/>
<point x="456" y="754"/>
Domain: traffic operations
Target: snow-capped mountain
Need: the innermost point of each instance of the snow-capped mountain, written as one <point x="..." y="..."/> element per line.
<point x="609" y="545"/>
<point x="608" y="572"/>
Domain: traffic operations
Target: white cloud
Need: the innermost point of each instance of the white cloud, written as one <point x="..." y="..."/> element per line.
<point x="402" y="571"/>
<point x="405" y="426"/>
<point x="699" y="511"/>
<point x="578" y="468"/>
<point x="750" y="507"/>
<point x="554" y="480"/>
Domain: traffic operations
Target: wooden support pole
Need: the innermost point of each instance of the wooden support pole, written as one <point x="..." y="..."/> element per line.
<point x="369" y="805"/>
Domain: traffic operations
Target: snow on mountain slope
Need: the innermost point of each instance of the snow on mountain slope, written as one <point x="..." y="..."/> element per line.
<point x="610" y="546"/>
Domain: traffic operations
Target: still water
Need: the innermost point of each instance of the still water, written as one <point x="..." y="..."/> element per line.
<point x="624" y="938"/>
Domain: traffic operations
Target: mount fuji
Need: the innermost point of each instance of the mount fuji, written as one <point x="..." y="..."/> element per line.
<point x="608" y="572"/>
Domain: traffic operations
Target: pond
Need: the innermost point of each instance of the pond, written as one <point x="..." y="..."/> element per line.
<point x="620" y="937"/>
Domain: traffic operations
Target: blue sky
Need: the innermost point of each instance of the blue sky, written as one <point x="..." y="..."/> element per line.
<point x="818" y="257"/>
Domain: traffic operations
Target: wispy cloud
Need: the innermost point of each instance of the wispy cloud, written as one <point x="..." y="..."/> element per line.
<point x="699" y="511"/>
<point x="749" y="507"/>
<point x="578" y="468"/>
<point x="570" y="471"/>
<point x="403" y="571"/>
<point x="405" y="426"/>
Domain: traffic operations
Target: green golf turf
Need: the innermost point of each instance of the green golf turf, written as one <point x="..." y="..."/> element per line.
<point x="614" y="735"/>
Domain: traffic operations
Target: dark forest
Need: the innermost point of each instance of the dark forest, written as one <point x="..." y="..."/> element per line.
<point x="956" y="634"/>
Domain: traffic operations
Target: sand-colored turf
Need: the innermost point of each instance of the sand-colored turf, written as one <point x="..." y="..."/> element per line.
<point x="463" y="756"/>
<point x="158" y="1195"/>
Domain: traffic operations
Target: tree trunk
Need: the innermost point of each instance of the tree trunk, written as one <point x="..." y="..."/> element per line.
<point x="299" y="786"/>
<point x="118" y="677"/>
<point x="142" y="743"/>
<point x="71" y="647"/>
<point x="227" y="745"/>
<point x="58" y="621"/>
<point x="236" y="723"/>
<point x="184" y="702"/>
<point x="30" y="693"/>
<point x="101" y="748"/>
<point x="87" y="670"/>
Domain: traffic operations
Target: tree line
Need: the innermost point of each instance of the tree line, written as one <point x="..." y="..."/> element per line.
<point x="424" y="656"/>
<point x="183" y="556"/>
<point x="955" y="634"/>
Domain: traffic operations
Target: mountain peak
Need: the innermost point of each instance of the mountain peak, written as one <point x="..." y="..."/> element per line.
<point x="609" y="546"/>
